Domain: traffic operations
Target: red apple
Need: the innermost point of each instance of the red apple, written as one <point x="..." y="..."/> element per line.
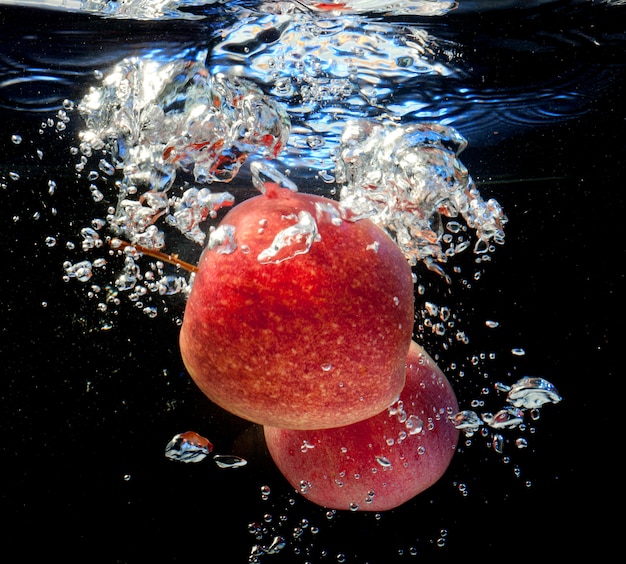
<point x="380" y="463"/>
<point x="298" y="318"/>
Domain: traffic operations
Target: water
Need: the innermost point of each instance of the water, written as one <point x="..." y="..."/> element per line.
<point x="130" y="128"/>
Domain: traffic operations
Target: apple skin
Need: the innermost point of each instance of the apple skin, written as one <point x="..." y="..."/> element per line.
<point x="340" y="468"/>
<point x="314" y="341"/>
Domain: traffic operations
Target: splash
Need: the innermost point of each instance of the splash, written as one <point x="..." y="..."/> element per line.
<point x="408" y="180"/>
<point x="390" y="8"/>
<point x="145" y="9"/>
<point x="158" y="135"/>
<point x="318" y="62"/>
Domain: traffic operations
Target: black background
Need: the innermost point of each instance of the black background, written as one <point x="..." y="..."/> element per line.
<point x="83" y="407"/>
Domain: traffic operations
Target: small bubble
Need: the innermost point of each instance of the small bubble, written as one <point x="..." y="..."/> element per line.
<point x="414" y="424"/>
<point x="383" y="461"/>
<point x="150" y="311"/>
<point x="229" y="461"/>
<point x="50" y="241"/>
<point x="97" y="196"/>
<point x="518" y="352"/>
<point x="327" y="366"/>
<point x="106" y="167"/>
<point x="306" y="446"/>
<point x="16" y="139"/>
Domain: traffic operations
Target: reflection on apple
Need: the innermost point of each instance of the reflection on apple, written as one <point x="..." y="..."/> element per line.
<point x="384" y="461"/>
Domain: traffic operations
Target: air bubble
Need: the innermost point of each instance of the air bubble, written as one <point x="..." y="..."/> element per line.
<point x="188" y="447"/>
<point x="265" y="492"/>
<point x="306" y="446"/>
<point x="150" y="311"/>
<point x="383" y="461"/>
<point x="106" y="167"/>
<point x="414" y="424"/>
<point x="227" y="461"/>
<point x="292" y="241"/>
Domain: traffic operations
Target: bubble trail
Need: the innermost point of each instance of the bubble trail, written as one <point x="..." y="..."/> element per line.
<point x="408" y="180"/>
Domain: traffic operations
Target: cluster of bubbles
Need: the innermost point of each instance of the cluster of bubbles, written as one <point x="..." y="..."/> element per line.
<point x="157" y="135"/>
<point x="407" y="179"/>
<point x="526" y="395"/>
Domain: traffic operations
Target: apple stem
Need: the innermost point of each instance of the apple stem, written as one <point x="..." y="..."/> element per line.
<point x="168" y="258"/>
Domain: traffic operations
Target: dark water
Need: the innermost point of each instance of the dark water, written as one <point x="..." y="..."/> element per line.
<point x="87" y="410"/>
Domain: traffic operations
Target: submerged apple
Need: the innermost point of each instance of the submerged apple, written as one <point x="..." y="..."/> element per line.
<point x="298" y="318"/>
<point x="384" y="461"/>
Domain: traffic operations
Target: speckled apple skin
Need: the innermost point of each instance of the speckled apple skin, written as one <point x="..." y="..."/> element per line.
<point x="366" y="466"/>
<point x="315" y="341"/>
